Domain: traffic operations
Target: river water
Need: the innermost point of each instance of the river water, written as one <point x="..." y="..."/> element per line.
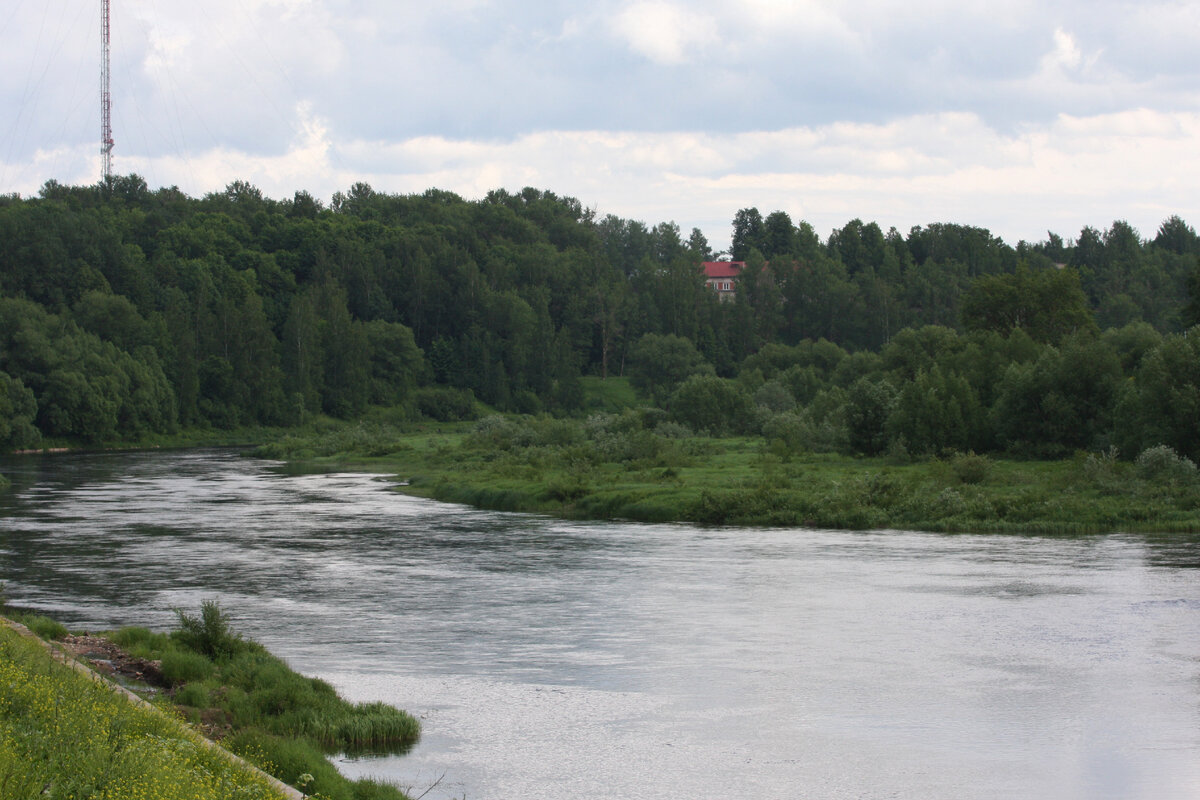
<point x="553" y="660"/>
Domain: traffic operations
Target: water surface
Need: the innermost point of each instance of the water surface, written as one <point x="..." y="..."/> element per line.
<point x="552" y="660"/>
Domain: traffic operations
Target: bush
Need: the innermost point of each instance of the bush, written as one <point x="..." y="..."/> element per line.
<point x="970" y="468"/>
<point x="1105" y="471"/>
<point x="494" y="432"/>
<point x="799" y="432"/>
<point x="208" y="634"/>
<point x="1163" y="465"/>
<point x="445" y="403"/>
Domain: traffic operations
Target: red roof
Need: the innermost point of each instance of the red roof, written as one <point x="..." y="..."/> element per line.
<point x="722" y="269"/>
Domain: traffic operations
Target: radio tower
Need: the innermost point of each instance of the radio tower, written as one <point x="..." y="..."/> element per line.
<point x="106" y="139"/>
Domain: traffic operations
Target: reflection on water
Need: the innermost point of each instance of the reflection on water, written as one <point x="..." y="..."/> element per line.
<point x="557" y="660"/>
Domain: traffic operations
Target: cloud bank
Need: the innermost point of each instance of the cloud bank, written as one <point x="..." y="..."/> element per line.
<point x="1019" y="117"/>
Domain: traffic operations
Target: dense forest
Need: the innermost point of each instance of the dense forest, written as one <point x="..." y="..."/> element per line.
<point x="126" y="311"/>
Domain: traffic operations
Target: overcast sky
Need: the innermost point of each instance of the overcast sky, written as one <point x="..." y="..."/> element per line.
<point x="1017" y="116"/>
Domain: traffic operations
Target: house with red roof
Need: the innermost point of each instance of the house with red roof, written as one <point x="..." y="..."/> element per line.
<point x="722" y="277"/>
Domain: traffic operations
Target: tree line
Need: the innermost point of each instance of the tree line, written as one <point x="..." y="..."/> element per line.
<point x="126" y="311"/>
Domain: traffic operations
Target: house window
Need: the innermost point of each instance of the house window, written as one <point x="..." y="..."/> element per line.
<point x="726" y="286"/>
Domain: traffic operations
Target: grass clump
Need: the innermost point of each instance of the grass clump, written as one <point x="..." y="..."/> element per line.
<point x="43" y="626"/>
<point x="305" y="766"/>
<point x="183" y="666"/>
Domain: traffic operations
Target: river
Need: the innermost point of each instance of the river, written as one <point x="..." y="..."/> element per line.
<point x="553" y="660"/>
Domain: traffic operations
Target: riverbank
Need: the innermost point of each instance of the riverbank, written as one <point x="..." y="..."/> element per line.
<point x="629" y="467"/>
<point x="65" y="733"/>
<point x="222" y="686"/>
<point x="636" y="465"/>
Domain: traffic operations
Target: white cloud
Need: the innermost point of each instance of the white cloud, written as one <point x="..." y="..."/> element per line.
<point x="667" y="33"/>
<point x="1066" y="52"/>
<point x="1140" y="165"/>
<point x="789" y="18"/>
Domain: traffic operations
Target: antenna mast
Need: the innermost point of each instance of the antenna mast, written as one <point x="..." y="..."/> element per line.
<point x="106" y="139"/>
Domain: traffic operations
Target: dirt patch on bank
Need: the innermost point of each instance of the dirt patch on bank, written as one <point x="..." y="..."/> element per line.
<point x="113" y="662"/>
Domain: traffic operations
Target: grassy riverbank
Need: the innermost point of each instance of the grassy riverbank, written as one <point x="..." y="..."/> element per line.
<point x="64" y="735"/>
<point x="636" y="466"/>
<point x="224" y="685"/>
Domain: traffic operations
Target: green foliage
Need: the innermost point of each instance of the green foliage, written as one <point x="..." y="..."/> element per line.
<point x="18" y="409"/>
<point x="127" y="313"/>
<point x="395" y="361"/>
<point x="299" y="763"/>
<point x="445" y="404"/>
<point x="1062" y="402"/>
<point x="208" y="634"/>
<point x="1048" y="304"/>
<point x="970" y="468"/>
<point x="658" y="363"/>
<point x="43" y="626"/>
<point x="937" y="411"/>
<point x="607" y="394"/>
<point x="194" y="695"/>
<point x="1162" y="465"/>
<point x="256" y="690"/>
<point x="1105" y="471"/>
<point x="140" y="641"/>
<point x="182" y="666"/>
<point x="793" y="433"/>
<point x="709" y="403"/>
<point x="869" y="404"/>
<point x="1162" y="404"/>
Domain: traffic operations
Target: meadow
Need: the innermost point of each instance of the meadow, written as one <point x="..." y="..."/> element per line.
<point x="639" y="465"/>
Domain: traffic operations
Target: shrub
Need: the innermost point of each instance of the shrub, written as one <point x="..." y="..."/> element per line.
<point x="209" y="633"/>
<point x="1104" y="471"/>
<point x="1163" y="465"/>
<point x="970" y="468"/>
<point x="445" y="403"/>
<point x="799" y="432"/>
<point x="673" y="430"/>
<point x="495" y="431"/>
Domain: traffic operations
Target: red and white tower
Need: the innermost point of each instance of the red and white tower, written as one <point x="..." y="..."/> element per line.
<point x="106" y="138"/>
